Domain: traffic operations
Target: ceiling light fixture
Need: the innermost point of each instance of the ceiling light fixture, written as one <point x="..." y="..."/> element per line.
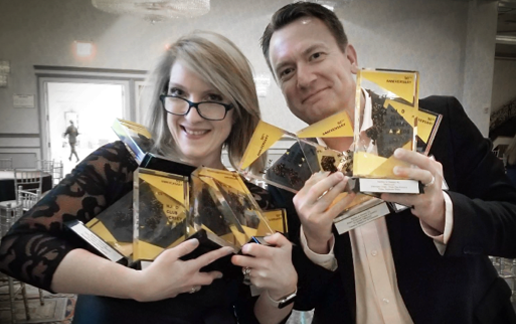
<point x="157" y="10"/>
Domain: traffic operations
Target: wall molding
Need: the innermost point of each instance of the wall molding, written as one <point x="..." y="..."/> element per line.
<point x="18" y="135"/>
<point x="75" y="69"/>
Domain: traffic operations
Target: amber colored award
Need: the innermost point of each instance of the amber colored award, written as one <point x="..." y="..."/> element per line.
<point x="386" y="114"/>
<point x="160" y="213"/>
<point x="115" y="225"/>
<point x="224" y="206"/>
<point x="136" y="137"/>
<point x="291" y="160"/>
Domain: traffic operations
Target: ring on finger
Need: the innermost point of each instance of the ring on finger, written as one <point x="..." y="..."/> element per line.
<point x="247" y="278"/>
<point x="195" y="289"/>
<point x="431" y="182"/>
<point x="246" y="271"/>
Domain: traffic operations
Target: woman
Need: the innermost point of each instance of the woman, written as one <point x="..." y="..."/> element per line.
<point x="203" y="98"/>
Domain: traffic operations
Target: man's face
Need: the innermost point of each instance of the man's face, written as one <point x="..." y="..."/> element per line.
<point x="314" y="74"/>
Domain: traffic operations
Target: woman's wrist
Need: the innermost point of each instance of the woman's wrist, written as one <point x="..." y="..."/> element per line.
<point x="134" y="284"/>
<point x="277" y="294"/>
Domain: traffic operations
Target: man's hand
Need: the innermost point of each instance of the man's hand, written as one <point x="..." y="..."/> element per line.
<point x="313" y="203"/>
<point x="428" y="206"/>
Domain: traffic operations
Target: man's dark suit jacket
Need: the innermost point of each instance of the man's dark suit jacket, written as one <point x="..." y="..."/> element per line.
<point x="461" y="286"/>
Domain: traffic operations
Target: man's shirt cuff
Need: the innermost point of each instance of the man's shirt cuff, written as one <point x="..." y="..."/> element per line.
<point x="441" y="239"/>
<point x="326" y="261"/>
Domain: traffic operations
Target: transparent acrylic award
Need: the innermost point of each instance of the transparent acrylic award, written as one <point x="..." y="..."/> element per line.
<point x="290" y="159"/>
<point x="115" y="225"/>
<point x="386" y="111"/>
<point x="161" y="207"/>
<point x="295" y="164"/>
<point x="223" y="213"/>
<point x="222" y="205"/>
<point x="136" y="137"/>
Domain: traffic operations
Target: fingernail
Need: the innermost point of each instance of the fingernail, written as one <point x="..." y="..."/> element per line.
<point x="193" y="241"/>
<point x="398" y="153"/>
<point x="245" y="248"/>
<point x="339" y="175"/>
<point x="219" y="276"/>
<point x="396" y="170"/>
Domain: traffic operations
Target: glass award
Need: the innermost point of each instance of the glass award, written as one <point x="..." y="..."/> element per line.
<point x="110" y="233"/>
<point x="223" y="212"/>
<point x="224" y="206"/>
<point x="427" y="125"/>
<point x="161" y="206"/>
<point x="115" y="225"/>
<point x="136" y="137"/>
<point x="290" y="159"/>
<point x="92" y="242"/>
<point x="277" y="219"/>
<point x="386" y="111"/>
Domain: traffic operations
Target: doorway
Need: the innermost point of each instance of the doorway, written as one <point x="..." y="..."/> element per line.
<point x="91" y="103"/>
<point x="90" y="107"/>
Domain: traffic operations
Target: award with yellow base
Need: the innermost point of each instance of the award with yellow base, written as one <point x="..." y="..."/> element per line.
<point x="161" y="206"/>
<point x="386" y="111"/>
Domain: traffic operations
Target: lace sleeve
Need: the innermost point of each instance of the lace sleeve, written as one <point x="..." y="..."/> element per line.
<point x="36" y="244"/>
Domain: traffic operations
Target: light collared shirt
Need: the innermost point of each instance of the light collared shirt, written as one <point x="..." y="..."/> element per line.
<point x="378" y="300"/>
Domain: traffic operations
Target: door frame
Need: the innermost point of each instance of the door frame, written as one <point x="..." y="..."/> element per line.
<point x="128" y="79"/>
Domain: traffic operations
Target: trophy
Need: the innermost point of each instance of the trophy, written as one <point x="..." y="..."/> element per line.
<point x="297" y="162"/>
<point x="115" y="225"/>
<point x="223" y="212"/>
<point x="386" y="111"/>
<point x="221" y="204"/>
<point x="291" y="160"/>
<point x="277" y="219"/>
<point x="92" y="242"/>
<point x="363" y="208"/>
<point x="428" y="123"/>
<point x="136" y="137"/>
<point x="160" y="213"/>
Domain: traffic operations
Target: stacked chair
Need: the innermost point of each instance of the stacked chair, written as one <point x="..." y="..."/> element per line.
<point x="27" y="184"/>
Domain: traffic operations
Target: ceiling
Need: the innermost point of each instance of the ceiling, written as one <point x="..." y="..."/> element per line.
<point x="506" y="30"/>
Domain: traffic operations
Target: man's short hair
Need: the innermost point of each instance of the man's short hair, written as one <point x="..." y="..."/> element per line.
<point x="294" y="11"/>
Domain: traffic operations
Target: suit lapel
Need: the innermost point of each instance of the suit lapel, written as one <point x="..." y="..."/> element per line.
<point x="344" y="256"/>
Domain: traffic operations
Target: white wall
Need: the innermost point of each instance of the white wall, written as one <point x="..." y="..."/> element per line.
<point x="504" y="83"/>
<point x="449" y="42"/>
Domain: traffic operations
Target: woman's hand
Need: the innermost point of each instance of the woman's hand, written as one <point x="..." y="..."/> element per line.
<point x="270" y="266"/>
<point x="169" y="276"/>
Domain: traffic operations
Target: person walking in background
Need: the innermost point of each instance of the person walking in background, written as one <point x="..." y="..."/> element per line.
<point x="510" y="163"/>
<point x="72" y="133"/>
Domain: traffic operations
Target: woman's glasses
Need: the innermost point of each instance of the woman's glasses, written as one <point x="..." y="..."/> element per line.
<point x="209" y="110"/>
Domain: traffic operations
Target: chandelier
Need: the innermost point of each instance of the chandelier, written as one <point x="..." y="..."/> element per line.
<point x="157" y="10"/>
<point x="329" y="4"/>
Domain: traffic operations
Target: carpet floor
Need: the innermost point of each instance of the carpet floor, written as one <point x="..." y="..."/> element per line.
<point x="57" y="308"/>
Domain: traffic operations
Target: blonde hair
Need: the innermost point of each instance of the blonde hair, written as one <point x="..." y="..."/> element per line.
<point x="222" y="65"/>
<point x="510" y="153"/>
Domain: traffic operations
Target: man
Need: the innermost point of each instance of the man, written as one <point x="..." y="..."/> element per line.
<point x="427" y="264"/>
<point x="72" y="133"/>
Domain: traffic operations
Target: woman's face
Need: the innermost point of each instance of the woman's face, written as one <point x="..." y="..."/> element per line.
<point x="199" y="140"/>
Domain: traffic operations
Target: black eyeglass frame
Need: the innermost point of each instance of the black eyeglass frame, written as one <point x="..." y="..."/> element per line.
<point x="191" y="104"/>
